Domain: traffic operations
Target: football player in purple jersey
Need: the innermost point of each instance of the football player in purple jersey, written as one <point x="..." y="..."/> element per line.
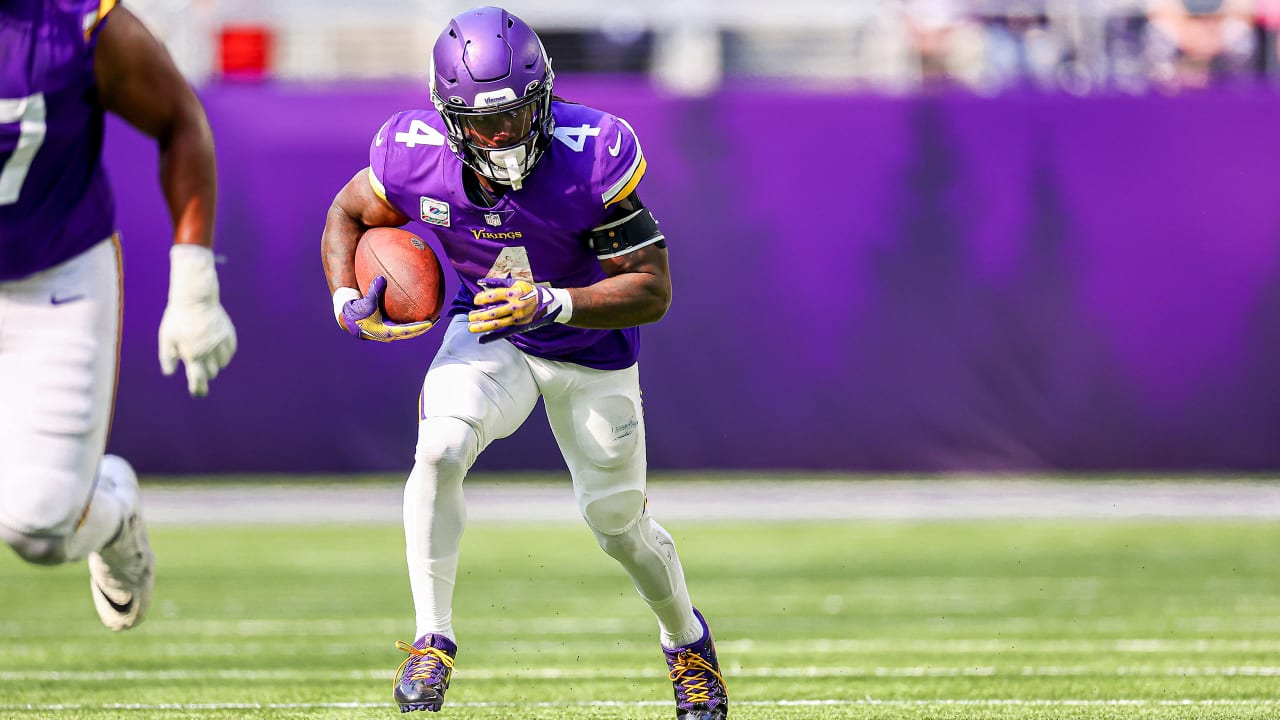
<point x="534" y="202"/>
<point x="65" y="63"/>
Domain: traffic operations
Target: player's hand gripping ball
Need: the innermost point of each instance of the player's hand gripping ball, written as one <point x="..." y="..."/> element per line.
<point x="507" y="306"/>
<point x="363" y="317"/>
<point x="402" y="285"/>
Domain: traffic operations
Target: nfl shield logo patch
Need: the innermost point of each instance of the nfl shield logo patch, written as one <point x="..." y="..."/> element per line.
<point x="493" y="219"/>
<point x="435" y="212"/>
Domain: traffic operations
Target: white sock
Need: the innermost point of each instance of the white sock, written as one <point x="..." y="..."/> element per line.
<point x="102" y="520"/>
<point x="687" y="636"/>
<point x="432" y="581"/>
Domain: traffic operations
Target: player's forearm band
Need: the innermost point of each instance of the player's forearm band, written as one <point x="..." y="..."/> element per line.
<point x="623" y="236"/>
<point x="341" y="297"/>
<point x="565" y="301"/>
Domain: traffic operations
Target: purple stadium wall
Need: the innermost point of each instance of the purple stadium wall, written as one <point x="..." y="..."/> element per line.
<point x="861" y="283"/>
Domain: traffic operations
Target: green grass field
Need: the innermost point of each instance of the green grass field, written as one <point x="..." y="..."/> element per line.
<point x="884" y="619"/>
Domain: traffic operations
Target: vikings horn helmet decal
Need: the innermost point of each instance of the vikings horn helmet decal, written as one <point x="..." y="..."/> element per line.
<point x="491" y="83"/>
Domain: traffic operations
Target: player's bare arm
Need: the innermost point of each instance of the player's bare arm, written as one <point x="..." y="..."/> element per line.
<point x="637" y="291"/>
<point x="355" y="209"/>
<point x="138" y="81"/>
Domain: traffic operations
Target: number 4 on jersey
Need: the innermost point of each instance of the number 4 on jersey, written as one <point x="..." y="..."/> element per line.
<point x="576" y="137"/>
<point x="512" y="262"/>
<point x="420" y="133"/>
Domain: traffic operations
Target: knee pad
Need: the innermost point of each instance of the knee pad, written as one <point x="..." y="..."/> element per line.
<point x="615" y="514"/>
<point x="36" y="549"/>
<point x="448" y="444"/>
<point x="609" y="432"/>
<point x="616" y="521"/>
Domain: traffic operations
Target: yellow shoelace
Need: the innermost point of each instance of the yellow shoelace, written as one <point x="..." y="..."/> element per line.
<point x="688" y="671"/>
<point x="434" y="655"/>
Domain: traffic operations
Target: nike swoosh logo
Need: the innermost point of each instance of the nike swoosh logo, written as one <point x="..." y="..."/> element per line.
<point x="122" y="609"/>
<point x="617" y="145"/>
<point x="55" y="300"/>
<point x="377" y="140"/>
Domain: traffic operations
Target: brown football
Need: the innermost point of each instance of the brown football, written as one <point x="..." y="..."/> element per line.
<point x="415" y="280"/>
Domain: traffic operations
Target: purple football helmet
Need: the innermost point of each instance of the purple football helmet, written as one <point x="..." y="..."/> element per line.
<point x="491" y="83"/>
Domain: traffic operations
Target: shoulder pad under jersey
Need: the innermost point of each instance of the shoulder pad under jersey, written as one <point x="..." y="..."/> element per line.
<point x="403" y="151"/>
<point x="620" y="163"/>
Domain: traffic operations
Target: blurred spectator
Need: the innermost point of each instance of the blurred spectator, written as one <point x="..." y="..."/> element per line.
<point x="895" y="46"/>
<point x="1198" y="43"/>
<point x="947" y="41"/>
<point x="1125" y="48"/>
<point x="1268" y="14"/>
<point x="1022" y="48"/>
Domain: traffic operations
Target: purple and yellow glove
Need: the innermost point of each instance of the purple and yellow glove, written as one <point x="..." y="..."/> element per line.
<point x="507" y="306"/>
<point x="362" y="316"/>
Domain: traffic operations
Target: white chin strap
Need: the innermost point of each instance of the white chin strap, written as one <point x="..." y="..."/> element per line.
<point x="507" y="166"/>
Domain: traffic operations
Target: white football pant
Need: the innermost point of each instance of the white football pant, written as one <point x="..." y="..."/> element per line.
<point x="59" y="348"/>
<point x="474" y="394"/>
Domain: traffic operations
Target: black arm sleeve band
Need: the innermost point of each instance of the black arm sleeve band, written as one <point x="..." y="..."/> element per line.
<point x="629" y="233"/>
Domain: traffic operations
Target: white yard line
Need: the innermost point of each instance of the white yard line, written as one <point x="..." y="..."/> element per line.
<point x="752" y="497"/>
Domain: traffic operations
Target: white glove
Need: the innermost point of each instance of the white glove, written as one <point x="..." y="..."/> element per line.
<point x="195" y="329"/>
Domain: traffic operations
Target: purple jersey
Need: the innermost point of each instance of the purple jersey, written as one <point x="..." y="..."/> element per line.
<point x="54" y="198"/>
<point x="538" y="233"/>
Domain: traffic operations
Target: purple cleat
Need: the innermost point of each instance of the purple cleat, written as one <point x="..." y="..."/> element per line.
<point x="695" y="672"/>
<point x="424" y="675"/>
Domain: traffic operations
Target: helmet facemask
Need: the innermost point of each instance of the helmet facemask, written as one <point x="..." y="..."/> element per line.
<point x="501" y="136"/>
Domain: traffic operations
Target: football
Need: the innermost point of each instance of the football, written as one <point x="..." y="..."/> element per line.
<point x="415" y="281"/>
